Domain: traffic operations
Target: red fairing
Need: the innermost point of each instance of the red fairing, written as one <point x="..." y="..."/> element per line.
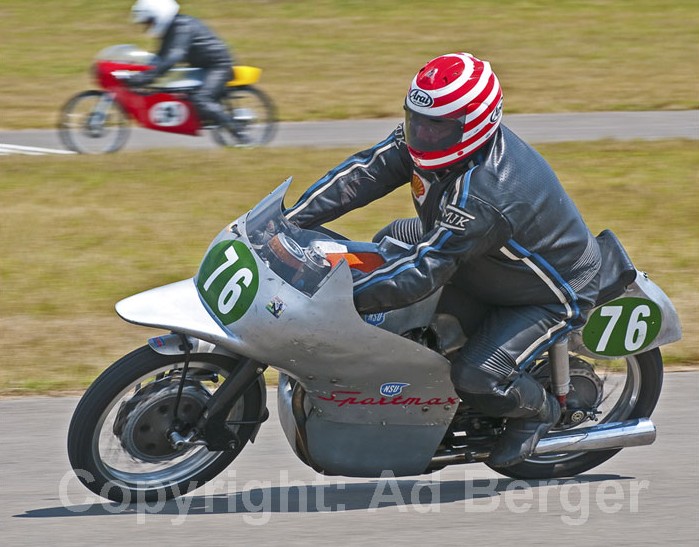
<point x="170" y="112"/>
<point x="104" y="73"/>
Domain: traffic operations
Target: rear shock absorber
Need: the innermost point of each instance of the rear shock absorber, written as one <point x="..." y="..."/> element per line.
<point x="560" y="371"/>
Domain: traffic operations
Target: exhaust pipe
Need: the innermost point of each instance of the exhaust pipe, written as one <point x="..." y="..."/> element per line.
<point x="609" y="436"/>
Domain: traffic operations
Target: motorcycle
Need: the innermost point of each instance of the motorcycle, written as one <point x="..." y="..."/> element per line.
<point x="357" y="395"/>
<point x="98" y="121"/>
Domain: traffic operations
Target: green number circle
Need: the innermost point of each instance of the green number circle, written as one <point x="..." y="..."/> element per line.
<point x="622" y="327"/>
<point x="228" y="280"/>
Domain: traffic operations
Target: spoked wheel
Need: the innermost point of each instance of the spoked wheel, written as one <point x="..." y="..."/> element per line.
<point x="93" y="123"/>
<point x="254" y="118"/>
<point x="118" y="440"/>
<point x="603" y="391"/>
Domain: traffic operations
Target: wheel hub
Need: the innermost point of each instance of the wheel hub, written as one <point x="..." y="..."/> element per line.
<point x="143" y="423"/>
<point x="585" y="395"/>
<point x="94" y="125"/>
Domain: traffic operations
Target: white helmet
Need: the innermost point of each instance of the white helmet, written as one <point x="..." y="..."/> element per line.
<point x="157" y="14"/>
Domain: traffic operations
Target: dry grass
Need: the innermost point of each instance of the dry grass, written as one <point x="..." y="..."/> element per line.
<point x="79" y="233"/>
<point x="325" y="59"/>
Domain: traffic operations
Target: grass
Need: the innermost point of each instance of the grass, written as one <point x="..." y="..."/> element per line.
<point x="79" y="233"/>
<point x="333" y="59"/>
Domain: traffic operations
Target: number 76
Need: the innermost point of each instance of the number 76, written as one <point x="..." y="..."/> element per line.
<point x="636" y="329"/>
<point x="231" y="292"/>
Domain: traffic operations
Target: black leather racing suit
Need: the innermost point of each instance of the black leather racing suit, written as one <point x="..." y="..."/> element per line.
<point x="188" y="40"/>
<point x="503" y="238"/>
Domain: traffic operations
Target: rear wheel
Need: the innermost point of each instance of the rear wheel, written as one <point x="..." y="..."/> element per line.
<point x="616" y="390"/>
<point x="93" y="123"/>
<point x="118" y="440"/>
<point x="254" y="118"/>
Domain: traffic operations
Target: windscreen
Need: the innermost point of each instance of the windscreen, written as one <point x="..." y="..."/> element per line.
<point x="294" y="254"/>
<point x="125" y="53"/>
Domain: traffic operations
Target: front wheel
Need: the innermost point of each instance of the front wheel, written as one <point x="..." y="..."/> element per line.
<point x="254" y="117"/>
<point x="92" y="122"/>
<point x="118" y="439"/>
<point x="614" y="391"/>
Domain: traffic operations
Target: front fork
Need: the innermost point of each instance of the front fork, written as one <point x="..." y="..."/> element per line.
<point x="214" y="422"/>
<point x="98" y="116"/>
<point x="559" y="364"/>
<point x="211" y="430"/>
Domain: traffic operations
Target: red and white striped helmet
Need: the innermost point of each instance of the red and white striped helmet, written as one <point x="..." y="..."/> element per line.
<point x="453" y="107"/>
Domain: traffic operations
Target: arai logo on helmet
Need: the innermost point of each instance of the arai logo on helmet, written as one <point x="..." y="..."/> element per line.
<point x="391" y="389"/>
<point x="419" y="98"/>
<point x="495" y="116"/>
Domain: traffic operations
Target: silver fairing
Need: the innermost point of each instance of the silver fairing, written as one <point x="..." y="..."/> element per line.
<point x="375" y="400"/>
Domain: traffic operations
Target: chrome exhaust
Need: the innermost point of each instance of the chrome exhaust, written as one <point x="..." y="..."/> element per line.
<point x="609" y="436"/>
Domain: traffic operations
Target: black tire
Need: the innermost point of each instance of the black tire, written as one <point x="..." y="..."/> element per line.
<point x="83" y="129"/>
<point x="96" y="435"/>
<point x="254" y="115"/>
<point x="644" y="373"/>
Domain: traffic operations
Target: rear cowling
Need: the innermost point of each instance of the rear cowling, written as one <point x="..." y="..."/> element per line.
<point x="641" y="319"/>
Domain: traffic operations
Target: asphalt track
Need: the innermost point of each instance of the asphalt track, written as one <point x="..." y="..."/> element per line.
<point x="643" y="496"/>
<point x="534" y="128"/>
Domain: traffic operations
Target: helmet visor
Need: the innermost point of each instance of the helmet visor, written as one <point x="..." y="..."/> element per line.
<point x="429" y="134"/>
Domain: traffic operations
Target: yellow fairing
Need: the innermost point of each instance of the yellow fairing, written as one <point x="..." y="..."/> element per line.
<point x="245" y="75"/>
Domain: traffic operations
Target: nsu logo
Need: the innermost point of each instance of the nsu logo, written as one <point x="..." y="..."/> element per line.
<point x="420" y="98"/>
<point x="391" y="389"/>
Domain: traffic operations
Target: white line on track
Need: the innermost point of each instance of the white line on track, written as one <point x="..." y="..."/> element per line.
<point x="6" y="149"/>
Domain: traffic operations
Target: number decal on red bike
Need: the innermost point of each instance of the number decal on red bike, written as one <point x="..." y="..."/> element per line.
<point x="622" y="327"/>
<point x="168" y="114"/>
<point x="228" y="280"/>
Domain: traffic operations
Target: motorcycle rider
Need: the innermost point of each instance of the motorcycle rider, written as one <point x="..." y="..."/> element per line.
<point x="187" y="39"/>
<point x="496" y="230"/>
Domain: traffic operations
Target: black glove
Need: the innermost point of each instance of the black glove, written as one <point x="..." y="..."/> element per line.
<point x="140" y="79"/>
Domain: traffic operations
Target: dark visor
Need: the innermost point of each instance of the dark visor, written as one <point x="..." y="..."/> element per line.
<point x="427" y="134"/>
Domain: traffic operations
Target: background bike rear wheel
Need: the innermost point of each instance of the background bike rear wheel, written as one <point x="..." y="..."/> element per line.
<point x="87" y="129"/>
<point x="254" y="116"/>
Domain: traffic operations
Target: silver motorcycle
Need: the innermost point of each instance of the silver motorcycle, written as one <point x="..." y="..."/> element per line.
<point x="357" y="395"/>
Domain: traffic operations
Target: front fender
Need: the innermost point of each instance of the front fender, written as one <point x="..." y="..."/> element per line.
<point x="173" y="344"/>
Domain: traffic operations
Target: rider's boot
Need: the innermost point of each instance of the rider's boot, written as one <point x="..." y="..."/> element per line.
<point x="519" y="397"/>
<point x="522" y="434"/>
<point x="214" y="111"/>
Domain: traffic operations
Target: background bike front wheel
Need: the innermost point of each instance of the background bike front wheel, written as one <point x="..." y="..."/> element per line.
<point x="91" y="123"/>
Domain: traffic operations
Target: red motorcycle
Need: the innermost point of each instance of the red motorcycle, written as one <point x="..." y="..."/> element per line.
<point x="98" y="121"/>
